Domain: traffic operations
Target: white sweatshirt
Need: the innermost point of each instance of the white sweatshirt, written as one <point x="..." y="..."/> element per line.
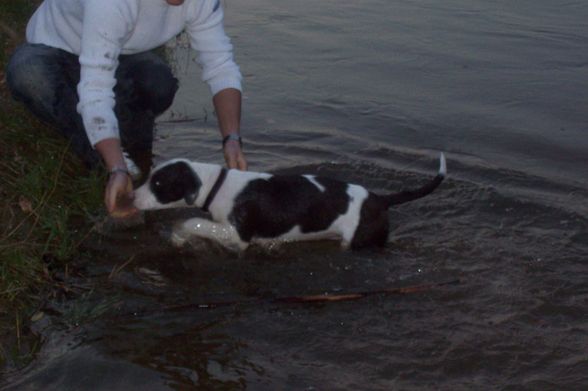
<point x="99" y="30"/>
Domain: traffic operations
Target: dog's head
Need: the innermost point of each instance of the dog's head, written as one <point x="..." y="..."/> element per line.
<point x="172" y="184"/>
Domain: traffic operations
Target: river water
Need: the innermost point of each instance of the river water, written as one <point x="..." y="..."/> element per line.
<point x="368" y="92"/>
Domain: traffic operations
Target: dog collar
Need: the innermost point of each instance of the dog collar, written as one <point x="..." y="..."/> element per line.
<point x="215" y="188"/>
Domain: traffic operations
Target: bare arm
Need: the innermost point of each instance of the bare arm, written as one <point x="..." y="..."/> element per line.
<point x="119" y="189"/>
<point x="111" y="153"/>
<point x="227" y="104"/>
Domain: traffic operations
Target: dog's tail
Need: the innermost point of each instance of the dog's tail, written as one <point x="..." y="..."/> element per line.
<point x="410" y="195"/>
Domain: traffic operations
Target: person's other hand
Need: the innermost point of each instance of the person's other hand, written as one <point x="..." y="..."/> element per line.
<point x="234" y="155"/>
<point x="118" y="196"/>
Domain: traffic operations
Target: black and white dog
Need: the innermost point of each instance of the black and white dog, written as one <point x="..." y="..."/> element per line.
<point x="248" y="207"/>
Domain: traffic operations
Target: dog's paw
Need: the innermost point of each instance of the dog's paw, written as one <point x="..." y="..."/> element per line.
<point x="235" y="247"/>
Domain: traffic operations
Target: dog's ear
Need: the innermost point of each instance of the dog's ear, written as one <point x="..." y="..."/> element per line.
<point x="191" y="185"/>
<point x="175" y="182"/>
<point x="190" y="197"/>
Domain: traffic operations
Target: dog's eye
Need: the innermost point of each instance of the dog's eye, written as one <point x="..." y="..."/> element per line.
<point x="157" y="184"/>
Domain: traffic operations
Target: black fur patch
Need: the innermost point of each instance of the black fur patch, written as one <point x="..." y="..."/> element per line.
<point x="175" y="182"/>
<point x="267" y="208"/>
<point x="373" y="226"/>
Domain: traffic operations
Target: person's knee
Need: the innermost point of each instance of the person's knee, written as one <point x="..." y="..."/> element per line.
<point x="162" y="86"/>
<point x="157" y="88"/>
<point x="27" y="76"/>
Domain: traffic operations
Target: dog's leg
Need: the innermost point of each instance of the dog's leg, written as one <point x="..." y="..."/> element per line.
<point x="346" y="232"/>
<point x="224" y="234"/>
<point x="345" y="244"/>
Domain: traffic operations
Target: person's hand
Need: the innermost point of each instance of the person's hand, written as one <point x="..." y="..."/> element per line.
<point x="234" y="155"/>
<point x="118" y="196"/>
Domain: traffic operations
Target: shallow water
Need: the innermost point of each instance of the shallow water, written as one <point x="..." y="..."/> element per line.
<point x="369" y="92"/>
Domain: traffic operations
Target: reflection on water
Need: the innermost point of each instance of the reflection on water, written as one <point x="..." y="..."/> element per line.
<point x="369" y="92"/>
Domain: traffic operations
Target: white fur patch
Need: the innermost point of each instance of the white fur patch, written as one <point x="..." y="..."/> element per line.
<point x="312" y="179"/>
<point x="442" y="165"/>
<point x="347" y="223"/>
<point x="144" y="199"/>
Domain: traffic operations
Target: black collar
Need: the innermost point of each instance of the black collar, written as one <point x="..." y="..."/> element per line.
<point x="215" y="188"/>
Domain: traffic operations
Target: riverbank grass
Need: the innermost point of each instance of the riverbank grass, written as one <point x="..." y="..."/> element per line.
<point x="48" y="205"/>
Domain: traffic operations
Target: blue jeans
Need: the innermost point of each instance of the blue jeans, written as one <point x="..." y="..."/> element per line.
<point x="45" y="80"/>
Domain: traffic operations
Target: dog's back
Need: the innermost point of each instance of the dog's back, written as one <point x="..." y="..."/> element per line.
<point x="300" y="207"/>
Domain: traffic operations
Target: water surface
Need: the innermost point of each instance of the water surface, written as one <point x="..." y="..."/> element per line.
<point x="368" y="92"/>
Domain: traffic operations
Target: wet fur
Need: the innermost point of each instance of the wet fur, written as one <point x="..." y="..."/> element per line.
<point x="259" y="207"/>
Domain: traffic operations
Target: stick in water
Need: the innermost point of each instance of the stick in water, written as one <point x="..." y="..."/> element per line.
<point x="324" y="298"/>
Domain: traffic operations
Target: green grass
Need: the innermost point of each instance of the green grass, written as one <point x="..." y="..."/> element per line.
<point x="13" y="17"/>
<point x="48" y="203"/>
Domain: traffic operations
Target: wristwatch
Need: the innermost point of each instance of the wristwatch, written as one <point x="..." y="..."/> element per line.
<point x="233" y="136"/>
